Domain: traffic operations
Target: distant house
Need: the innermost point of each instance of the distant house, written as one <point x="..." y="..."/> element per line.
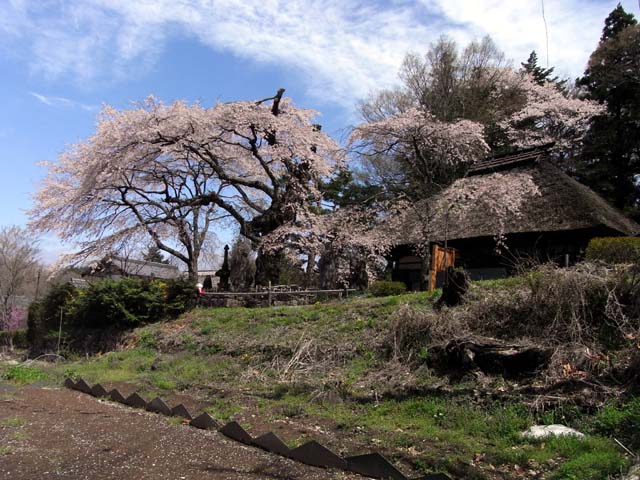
<point x="555" y="225"/>
<point x="115" y="267"/>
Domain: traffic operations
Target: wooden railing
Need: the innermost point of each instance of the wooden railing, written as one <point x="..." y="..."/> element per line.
<point x="273" y="292"/>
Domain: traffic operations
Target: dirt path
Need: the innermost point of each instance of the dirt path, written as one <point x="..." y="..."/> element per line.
<point x="53" y="434"/>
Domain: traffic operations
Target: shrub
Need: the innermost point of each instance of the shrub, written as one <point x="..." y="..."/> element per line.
<point x="384" y="289"/>
<point x="179" y="297"/>
<point x="23" y="375"/>
<point x="580" y="305"/>
<point x="44" y="315"/>
<point x="129" y="302"/>
<point x="16" y="338"/>
<point x="621" y="421"/>
<point x="126" y="302"/>
<point x="579" y="313"/>
<point x="614" y="249"/>
<point x="118" y="304"/>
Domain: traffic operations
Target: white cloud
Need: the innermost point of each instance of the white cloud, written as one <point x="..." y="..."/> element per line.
<point x="573" y="26"/>
<point x="53" y="101"/>
<point x="343" y="48"/>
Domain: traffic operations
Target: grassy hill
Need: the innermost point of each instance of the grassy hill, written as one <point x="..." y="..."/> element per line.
<point x="360" y="375"/>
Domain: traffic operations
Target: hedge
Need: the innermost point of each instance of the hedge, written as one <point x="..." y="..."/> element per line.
<point x="614" y="249"/>
<point x="121" y="304"/>
<point x="384" y="289"/>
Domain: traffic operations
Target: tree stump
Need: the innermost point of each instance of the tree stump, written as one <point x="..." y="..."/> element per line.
<point x="454" y="288"/>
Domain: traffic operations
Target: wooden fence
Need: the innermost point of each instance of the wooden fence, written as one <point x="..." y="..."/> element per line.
<point x="272" y="294"/>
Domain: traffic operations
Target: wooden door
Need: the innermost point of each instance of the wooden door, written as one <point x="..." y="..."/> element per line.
<point x="441" y="259"/>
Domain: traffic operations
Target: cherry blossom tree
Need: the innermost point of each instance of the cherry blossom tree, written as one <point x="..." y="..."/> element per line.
<point x="170" y="172"/>
<point x="431" y="153"/>
<point x="422" y="156"/>
<point x="18" y="263"/>
<point x="349" y="242"/>
<point x="415" y="148"/>
<point x="547" y="114"/>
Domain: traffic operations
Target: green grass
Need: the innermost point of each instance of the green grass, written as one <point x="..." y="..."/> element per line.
<point x="156" y="373"/>
<point x="123" y="366"/>
<point x="620" y="419"/>
<point x="20" y="436"/>
<point x="224" y="409"/>
<point x="12" y="422"/>
<point x="22" y="375"/>
<point x="5" y="450"/>
<point x="457" y="431"/>
<point x="233" y="359"/>
<point x="346" y="316"/>
<point x="592" y="458"/>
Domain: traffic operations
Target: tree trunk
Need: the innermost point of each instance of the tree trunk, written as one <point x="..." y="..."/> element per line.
<point x="454" y="288"/>
<point x="311" y="262"/>
<point x="192" y="269"/>
<point x="328" y="266"/>
<point x="425" y="261"/>
<point x="359" y="277"/>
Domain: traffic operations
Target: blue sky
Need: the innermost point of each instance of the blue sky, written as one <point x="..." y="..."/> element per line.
<point x="61" y="60"/>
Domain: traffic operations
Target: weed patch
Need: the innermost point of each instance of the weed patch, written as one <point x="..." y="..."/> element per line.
<point x="23" y="375"/>
<point x="223" y="409"/>
<point x="12" y="422"/>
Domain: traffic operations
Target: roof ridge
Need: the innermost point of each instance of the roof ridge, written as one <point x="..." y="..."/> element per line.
<point x="544" y="148"/>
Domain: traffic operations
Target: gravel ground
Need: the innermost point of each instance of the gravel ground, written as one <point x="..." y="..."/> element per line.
<point x="57" y="433"/>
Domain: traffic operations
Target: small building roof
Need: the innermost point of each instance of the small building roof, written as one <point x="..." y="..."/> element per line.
<point x="561" y="203"/>
<point x="136" y="268"/>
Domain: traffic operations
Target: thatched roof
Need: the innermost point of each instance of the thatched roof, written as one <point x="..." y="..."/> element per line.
<point x="562" y="203"/>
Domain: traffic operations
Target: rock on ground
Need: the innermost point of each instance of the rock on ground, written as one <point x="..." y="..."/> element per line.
<point x="544" y="431"/>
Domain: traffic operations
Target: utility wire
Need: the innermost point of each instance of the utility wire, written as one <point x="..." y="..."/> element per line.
<point x="546" y="30"/>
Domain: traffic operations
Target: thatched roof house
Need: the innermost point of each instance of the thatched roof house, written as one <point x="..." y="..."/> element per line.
<point x="554" y="222"/>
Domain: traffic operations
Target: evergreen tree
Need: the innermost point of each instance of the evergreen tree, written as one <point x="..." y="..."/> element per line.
<point x="344" y="190"/>
<point x="154" y="254"/>
<point x="610" y="163"/>
<point x="616" y="22"/>
<point x="241" y="264"/>
<point x="539" y="74"/>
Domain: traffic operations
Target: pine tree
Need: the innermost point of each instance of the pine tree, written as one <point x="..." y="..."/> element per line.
<point x="611" y="159"/>
<point x="154" y="254"/>
<point x="241" y="264"/>
<point x="616" y="22"/>
<point x="539" y="74"/>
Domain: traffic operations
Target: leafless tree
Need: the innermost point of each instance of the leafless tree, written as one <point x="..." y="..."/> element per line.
<point x="18" y="264"/>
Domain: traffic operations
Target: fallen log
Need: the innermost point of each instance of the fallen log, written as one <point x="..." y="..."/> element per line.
<point x="491" y="356"/>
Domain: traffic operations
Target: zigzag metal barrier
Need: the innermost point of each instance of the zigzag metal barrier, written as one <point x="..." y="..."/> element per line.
<point x="312" y="453"/>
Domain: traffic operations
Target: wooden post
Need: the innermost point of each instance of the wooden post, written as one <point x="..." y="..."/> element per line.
<point x="38" y="284"/>
<point x="59" y="333"/>
<point x="269" y="294"/>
